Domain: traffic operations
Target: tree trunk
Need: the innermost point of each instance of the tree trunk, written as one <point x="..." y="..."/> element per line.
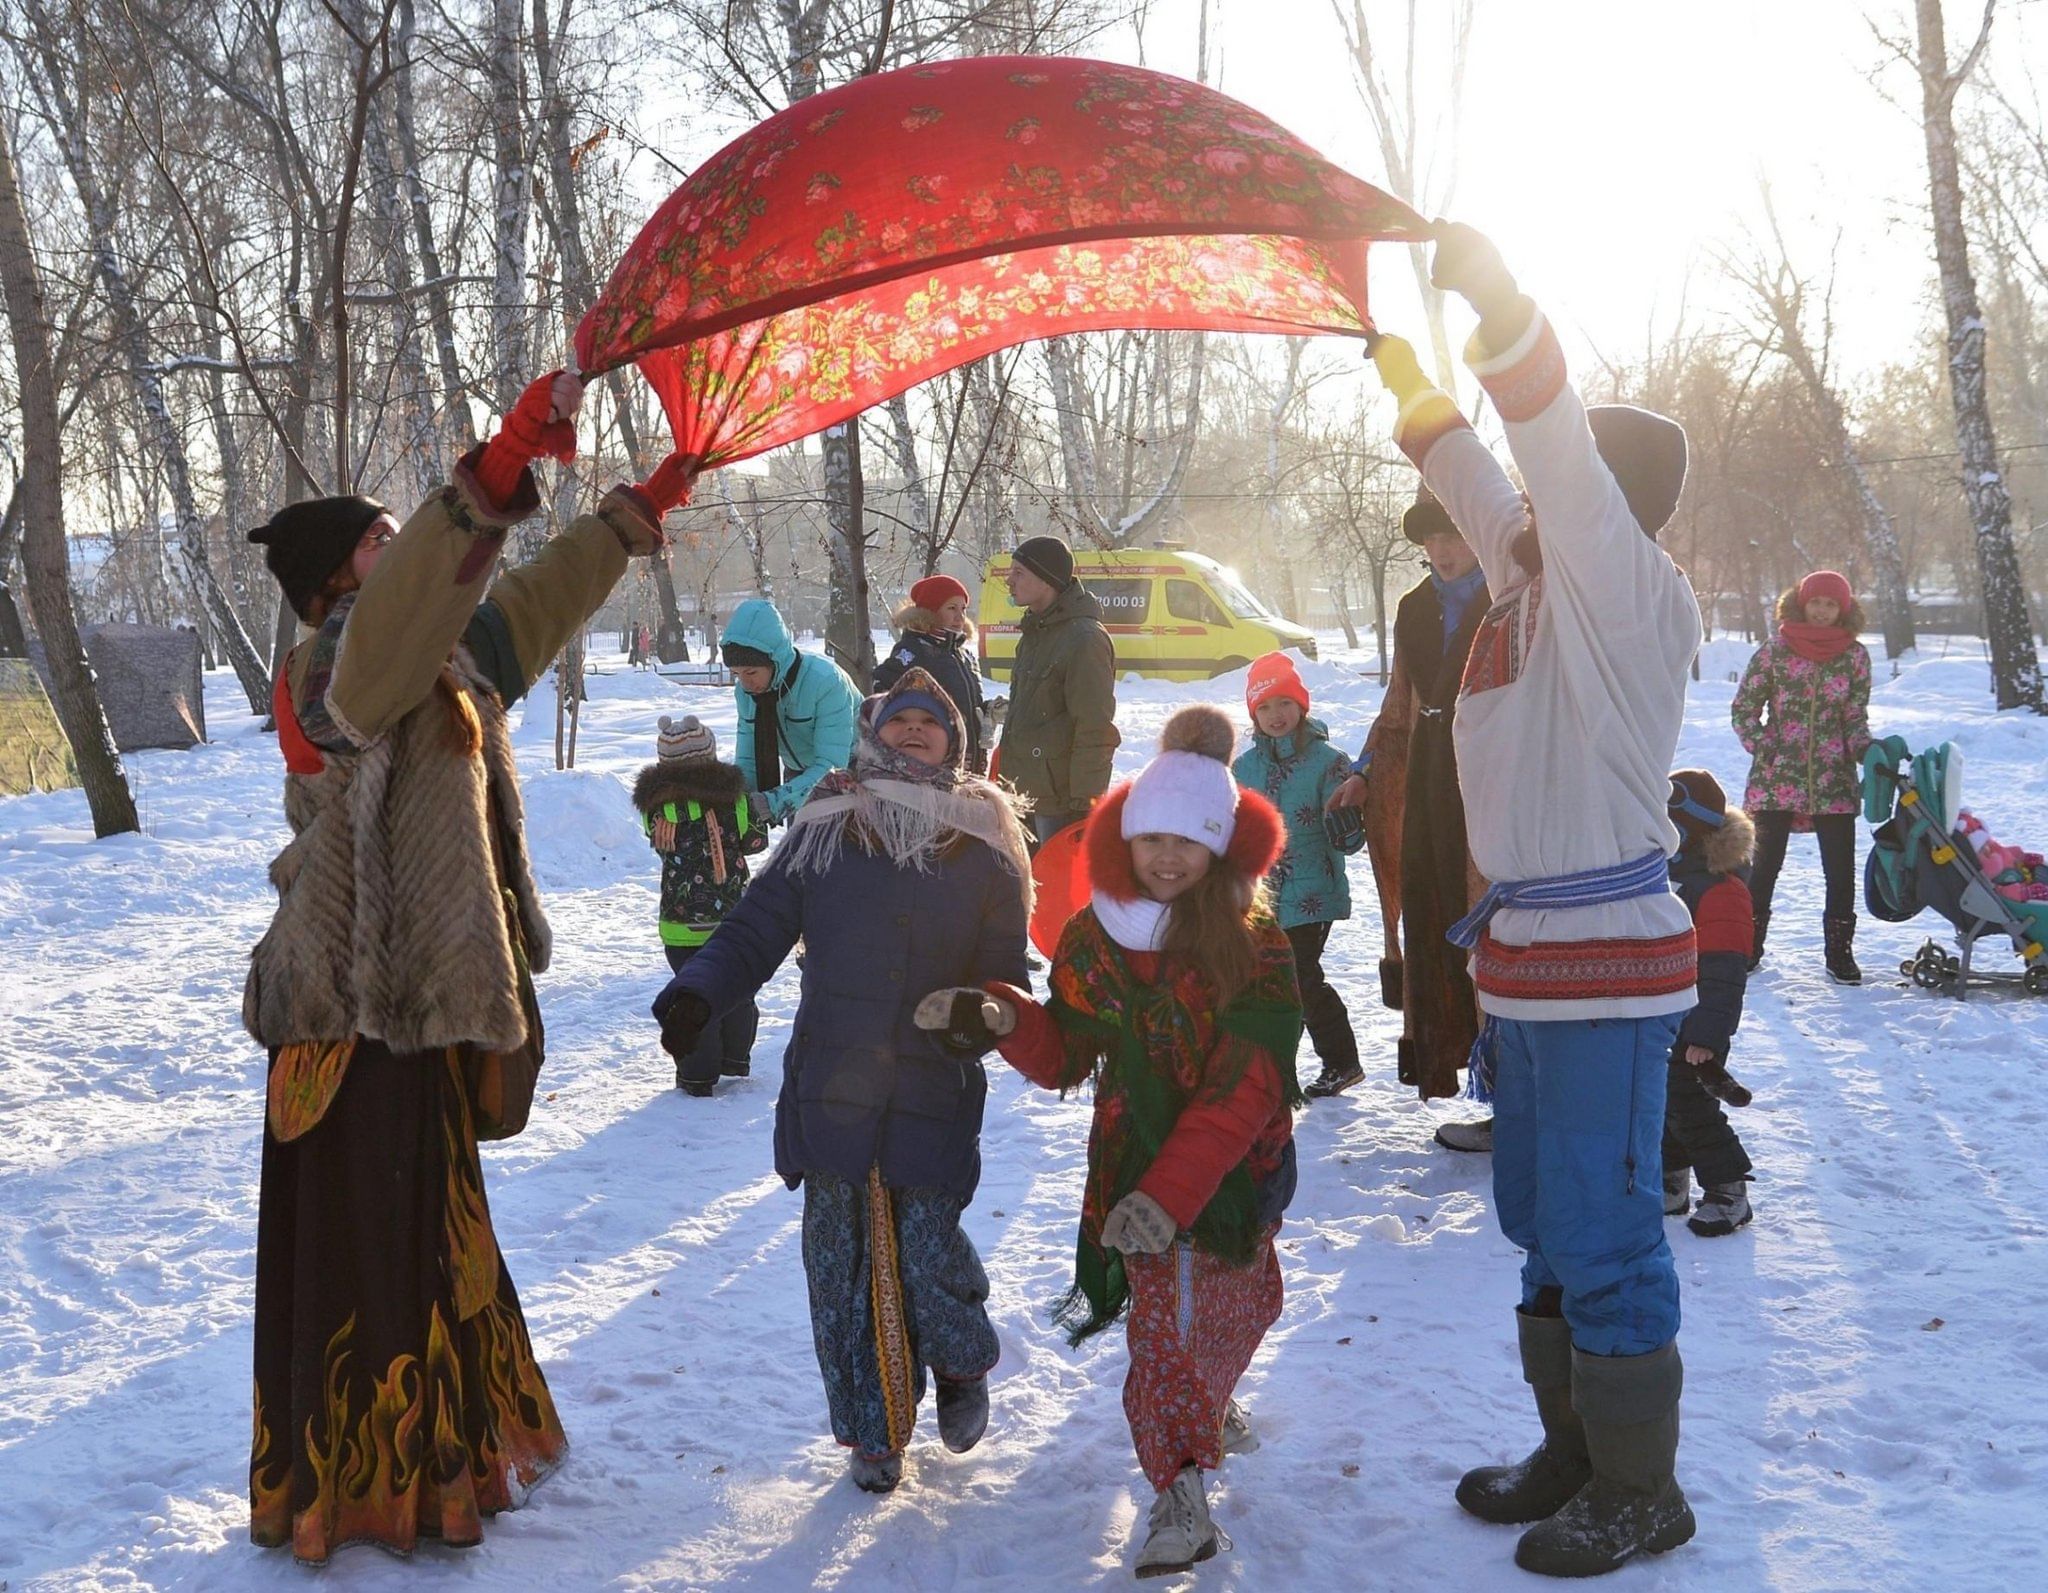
<point x="2015" y="667"/>
<point x="1880" y="536"/>
<point x="131" y="337"/>
<point x="45" y="552"/>
<point x="458" y="424"/>
<point x="513" y="200"/>
<point x="1341" y="597"/>
<point x="847" y="635"/>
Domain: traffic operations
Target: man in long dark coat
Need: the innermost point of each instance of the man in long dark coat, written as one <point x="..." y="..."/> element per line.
<point x="1407" y="781"/>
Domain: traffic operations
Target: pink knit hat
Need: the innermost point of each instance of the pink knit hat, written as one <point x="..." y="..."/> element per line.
<point x="1827" y="583"/>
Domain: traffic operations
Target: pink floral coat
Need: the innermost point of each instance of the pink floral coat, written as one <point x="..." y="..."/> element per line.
<point x="1805" y="725"/>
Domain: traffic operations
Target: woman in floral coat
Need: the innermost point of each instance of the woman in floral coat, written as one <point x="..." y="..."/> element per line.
<point x="1802" y="711"/>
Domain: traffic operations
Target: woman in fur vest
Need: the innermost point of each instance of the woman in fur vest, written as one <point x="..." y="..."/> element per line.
<point x="1803" y="713"/>
<point x="397" y="1396"/>
<point x="900" y="874"/>
<point x="935" y="635"/>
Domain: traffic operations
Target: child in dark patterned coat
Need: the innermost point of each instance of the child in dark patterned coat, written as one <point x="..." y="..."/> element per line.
<point x="701" y="822"/>
<point x="1293" y="766"/>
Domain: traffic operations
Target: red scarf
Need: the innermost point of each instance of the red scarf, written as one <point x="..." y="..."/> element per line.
<point x="1818" y="643"/>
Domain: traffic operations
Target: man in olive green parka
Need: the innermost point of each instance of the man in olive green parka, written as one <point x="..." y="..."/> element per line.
<point x="1059" y="734"/>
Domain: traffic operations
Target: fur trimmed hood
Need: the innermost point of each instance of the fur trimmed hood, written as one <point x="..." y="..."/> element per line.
<point x="915" y="617"/>
<point x="1791" y="612"/>
<point x="700" y="780"/>
<point x="1732" y="846"/>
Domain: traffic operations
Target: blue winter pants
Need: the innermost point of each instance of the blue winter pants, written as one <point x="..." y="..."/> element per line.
<point x="1578" y="1174"/>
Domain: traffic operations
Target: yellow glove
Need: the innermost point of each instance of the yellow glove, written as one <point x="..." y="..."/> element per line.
<point x="1400" y="371"/>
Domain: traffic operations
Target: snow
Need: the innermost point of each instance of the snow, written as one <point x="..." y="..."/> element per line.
<point x="1865" y="1365"/>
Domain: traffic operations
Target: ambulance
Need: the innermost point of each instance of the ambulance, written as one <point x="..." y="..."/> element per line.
<point x="1171" y="615"/>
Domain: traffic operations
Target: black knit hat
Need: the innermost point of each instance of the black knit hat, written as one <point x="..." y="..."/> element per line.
<point x="1646" y="452"/>
<point x="1048" y="558"/>
<point x="738" y="655"/>
<point x="304" y="543"/>
<point x="1426" y="518"/>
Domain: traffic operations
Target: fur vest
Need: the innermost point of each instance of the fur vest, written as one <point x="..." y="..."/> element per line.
<point x="391" y="917"/>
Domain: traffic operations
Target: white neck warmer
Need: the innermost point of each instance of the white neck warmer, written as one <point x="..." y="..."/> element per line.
<point x="1136" y="925"/>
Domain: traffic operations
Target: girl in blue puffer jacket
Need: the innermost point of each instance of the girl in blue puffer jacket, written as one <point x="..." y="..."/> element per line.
<point x="902" y="875"/>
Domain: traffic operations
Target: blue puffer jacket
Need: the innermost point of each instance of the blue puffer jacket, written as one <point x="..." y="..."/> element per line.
<point x="815" y="705"/>
<point x="861" y="1084"/>
<point x="1309" y="884"/>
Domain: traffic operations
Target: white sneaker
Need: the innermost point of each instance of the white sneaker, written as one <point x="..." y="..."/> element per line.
<point x="1182" y="1535"/>
<point x="1475" y="1137"/>
<point x="1238" y="1437"/>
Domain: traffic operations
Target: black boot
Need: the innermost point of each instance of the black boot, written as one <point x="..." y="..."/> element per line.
<point x="1540" y="1486"/>
<point x="1763" y="925"/>
<point x="1390" y="983"/>
<point x="1633" y="1504"/>
<point x="1840" y="936"/>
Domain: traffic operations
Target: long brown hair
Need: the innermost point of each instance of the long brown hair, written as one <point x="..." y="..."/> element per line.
<point x="1210" y="926"/>
<point x="1793" y="612"/>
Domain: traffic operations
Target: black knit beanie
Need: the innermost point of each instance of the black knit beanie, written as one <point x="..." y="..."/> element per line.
<point x="738" y="655"/>
<point x="1646" y="452"/>
<point x="1426" y="518"/>
<point x="304" y="543"/>
<point x="1048" y="558"/>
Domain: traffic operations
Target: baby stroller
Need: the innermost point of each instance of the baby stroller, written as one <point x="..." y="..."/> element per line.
<point x="1918" y="860"/>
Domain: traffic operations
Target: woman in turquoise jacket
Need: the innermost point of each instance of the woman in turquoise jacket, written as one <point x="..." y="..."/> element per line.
<point x="796" y="709"/>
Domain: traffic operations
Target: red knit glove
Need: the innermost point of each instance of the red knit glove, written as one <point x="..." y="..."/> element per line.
<point x="669" y="485"/>
<point x="537" y="426"/>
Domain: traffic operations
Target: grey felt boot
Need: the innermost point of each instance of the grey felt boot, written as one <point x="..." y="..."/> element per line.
<point x="1537" y="1487"/>
<point x="1629" y="1407"/>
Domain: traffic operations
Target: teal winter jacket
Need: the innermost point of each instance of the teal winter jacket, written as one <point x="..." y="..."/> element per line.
<point x="1297" y="775"/>
<point x="815" y="708"/>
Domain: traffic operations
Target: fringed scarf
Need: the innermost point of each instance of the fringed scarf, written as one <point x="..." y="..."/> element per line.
<point x="1160" y="1046"/>
<point x="902" y="808"/>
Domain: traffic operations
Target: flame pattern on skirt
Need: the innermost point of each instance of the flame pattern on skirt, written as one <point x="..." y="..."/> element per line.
<point x="448" y="1419"/>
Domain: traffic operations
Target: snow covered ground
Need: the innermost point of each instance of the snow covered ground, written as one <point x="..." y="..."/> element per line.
<point x="1867" y="1368"/>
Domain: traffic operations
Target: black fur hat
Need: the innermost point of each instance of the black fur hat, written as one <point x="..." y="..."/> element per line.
<point x="304" y="543"/>
<point x="1426" y="518"/>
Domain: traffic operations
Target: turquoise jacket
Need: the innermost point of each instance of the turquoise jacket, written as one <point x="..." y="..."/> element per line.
<point x="1309" y="884"/>
<point x="816" y="706"/>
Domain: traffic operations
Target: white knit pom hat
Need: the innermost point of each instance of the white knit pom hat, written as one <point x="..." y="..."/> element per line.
<point x="1188" y="789"/>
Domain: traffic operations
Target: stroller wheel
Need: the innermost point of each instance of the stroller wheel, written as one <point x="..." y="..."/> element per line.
<point x="1929" y="970"/>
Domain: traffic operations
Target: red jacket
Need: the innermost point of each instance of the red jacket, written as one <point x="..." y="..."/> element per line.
<point x="1210" y="1137"/>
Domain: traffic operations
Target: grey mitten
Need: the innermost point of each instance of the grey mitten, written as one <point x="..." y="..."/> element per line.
<point x="965" y="1019"/>
<point x="1139" y="1226"/>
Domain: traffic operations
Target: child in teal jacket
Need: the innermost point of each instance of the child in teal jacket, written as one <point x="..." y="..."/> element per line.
<point x="1292" y="764"/>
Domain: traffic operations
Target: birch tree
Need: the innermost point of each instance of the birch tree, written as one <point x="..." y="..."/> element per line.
<point x="2015" y="667"/>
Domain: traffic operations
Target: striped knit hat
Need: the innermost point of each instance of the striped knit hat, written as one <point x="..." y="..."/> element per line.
<point x="685" y="739"/>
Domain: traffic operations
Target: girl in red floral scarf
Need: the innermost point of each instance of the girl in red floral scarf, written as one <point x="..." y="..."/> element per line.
<point x="1802" y="711"/>
<point x="1175" y="992"/>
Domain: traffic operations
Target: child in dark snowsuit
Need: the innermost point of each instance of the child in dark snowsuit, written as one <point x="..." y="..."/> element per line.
<point x="699" y="817"/>
<point x="1710" y="871"/>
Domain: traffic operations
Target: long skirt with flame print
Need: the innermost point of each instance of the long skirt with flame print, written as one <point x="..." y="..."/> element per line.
<point x="397" y="1396"/>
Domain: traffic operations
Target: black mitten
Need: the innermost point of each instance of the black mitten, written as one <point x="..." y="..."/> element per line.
<point x="1720" y="1082"/>
<point x="683" y="1023"/>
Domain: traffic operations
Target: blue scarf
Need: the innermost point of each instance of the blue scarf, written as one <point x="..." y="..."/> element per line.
<point x="1455" y="597"/>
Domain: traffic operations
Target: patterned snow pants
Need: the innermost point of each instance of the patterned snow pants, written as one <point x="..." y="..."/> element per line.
<point x="1196" y="1322"/>
<point x="874" y="1345"/>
